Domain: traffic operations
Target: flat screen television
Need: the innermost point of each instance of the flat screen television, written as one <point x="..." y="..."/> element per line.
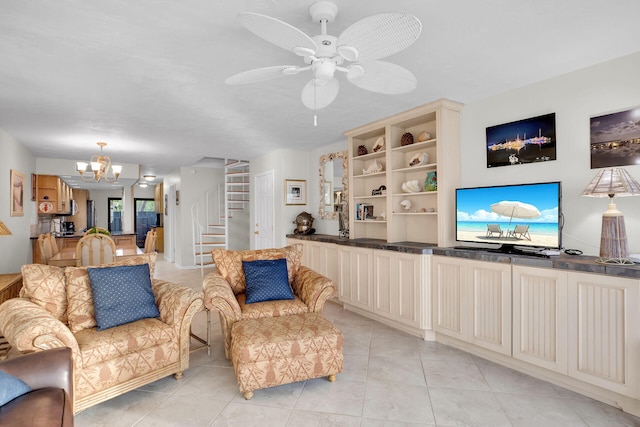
<point x="522" y="218"/>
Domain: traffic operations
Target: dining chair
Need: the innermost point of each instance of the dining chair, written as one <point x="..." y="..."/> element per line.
<point x="95" y="249"/>
<point x="53" y="244"/>
<point x="45" y="248"/>
<point x="150" y="242"/>
<point x="96" y="230"/>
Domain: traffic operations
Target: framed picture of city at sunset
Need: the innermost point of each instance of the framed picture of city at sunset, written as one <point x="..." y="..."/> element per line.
<point x="524" y="141"/>
<point x="615" y="139"/>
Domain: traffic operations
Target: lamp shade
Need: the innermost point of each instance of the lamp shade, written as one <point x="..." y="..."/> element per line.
<point x="612" y="182"/>
<point x="4" y="231"/>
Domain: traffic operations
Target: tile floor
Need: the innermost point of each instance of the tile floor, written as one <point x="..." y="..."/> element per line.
<point x="390" y="379"/>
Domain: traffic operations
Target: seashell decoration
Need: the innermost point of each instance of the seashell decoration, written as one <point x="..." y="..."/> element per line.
<point x="379" y="145"/>
<point x="407" y="139"/>
<point x="406" y="204"/>
<point x="411" y="186"/>
<point x="419" y="159"/>
<point x="424" y="136"/>
<point x="373" y="168"/>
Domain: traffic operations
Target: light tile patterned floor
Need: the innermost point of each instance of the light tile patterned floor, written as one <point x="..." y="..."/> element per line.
<point x="390" y="379"/>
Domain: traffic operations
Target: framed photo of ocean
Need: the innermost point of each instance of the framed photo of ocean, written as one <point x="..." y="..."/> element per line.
<point x="615" y="139"/>
<point x="524" y="141"/>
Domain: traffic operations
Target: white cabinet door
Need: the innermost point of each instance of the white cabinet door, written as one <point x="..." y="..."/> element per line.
<point x="473" y="301"/>
<point x="490" y="305"/>
<point x="356" y="269"/>
<point x="540" y="317"/>
<point x="323" y="258"/>
<point x="604" y="321"/>
<point x="447" y="279"/>
<point x="400" y="287"/>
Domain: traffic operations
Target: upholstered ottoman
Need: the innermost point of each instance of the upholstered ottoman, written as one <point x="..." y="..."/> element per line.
<point x="272" y="351"/>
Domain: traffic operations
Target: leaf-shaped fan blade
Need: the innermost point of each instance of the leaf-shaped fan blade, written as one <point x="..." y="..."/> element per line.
<point x="275" y="31"/>
<point x="258" y="75"/>
<point x="318" y="95"/>
<point x="385" y="77"/>
<point x="381" y="35"/>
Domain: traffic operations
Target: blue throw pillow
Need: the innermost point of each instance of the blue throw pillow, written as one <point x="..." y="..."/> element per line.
<point x="122" y="295"/>
<point x="11" y="387"/>
<point x="267" y="280"/>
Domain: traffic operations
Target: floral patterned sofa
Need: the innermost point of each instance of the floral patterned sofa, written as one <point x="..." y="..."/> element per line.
<point x="225" y="289"/>
<point x="55" y="309"/>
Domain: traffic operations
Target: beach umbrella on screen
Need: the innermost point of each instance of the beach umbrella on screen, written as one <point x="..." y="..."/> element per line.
<point x="514" y="209"/>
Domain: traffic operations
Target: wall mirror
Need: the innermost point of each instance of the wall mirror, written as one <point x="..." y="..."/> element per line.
<point x="334" y="181"/>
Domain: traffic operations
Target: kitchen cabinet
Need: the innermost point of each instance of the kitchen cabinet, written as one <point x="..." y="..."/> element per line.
<point x="158" y="197"/>
<point x="53" y="195"/>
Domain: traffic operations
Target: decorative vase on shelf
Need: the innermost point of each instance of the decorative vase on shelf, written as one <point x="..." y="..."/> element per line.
<point x="362" y="150"/>
<point x="431" y="181"/>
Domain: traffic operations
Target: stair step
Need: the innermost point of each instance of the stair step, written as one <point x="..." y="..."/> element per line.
<point x="236" y="164"/>
<point x="242" y="192"/>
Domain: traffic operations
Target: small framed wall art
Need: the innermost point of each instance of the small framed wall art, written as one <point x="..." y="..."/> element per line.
<point x="615" y="139"/>
<point x="524" y="141"/>
<point x="295" y="191"/>
<point x="17" y="193"/>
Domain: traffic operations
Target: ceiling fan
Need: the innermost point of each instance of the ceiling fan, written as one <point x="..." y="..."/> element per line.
<point x="355" y="53"/>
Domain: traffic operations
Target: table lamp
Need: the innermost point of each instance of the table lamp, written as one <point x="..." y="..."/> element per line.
<point x="4" y="230"/>
<point x="613" y="240"/>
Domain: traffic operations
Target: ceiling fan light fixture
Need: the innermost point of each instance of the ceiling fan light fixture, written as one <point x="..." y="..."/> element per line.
<point x="324" y="69"/>
<point x="355" y="71"/>
<point x="349" y="53"/>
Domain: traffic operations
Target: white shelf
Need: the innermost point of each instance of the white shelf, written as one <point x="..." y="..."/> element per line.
<point x="415" y="146"/>
<point x="421" y="193"/>
<point x="428" y="166"/>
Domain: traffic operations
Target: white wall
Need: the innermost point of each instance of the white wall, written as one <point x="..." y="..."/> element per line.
<point x="286" y="164"/>
<point x="15" y="249"/>
<point x="574" y="97"/>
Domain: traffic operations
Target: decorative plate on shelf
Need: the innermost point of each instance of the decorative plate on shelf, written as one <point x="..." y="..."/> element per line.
<point x="46" y="207"/>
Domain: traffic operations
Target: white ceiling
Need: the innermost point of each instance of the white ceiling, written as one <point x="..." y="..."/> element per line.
<point x="147" y="76"/>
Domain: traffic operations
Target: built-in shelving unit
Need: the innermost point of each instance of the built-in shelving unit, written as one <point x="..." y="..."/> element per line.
<point x="431" y="217"/>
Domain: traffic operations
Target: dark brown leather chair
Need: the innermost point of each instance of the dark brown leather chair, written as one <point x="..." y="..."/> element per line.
<point x="49" y="373"/>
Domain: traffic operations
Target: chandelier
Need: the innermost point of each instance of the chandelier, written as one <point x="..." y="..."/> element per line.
<point x="100" y="166"/>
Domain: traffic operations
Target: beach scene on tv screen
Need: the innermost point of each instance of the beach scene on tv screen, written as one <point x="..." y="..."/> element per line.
<point x="524" y="215"/>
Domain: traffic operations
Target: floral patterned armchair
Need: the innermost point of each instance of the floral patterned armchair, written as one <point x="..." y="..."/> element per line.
<point x="55" y="309"/>
<point x="225" y="289"/>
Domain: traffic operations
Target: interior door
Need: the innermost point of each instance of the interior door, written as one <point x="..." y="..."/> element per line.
<point x="264" y="231"/>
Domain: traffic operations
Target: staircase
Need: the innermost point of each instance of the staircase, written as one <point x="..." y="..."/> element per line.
<point x="213" y="211"/>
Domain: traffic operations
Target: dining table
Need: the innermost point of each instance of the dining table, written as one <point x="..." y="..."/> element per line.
<point x="67" y="256"/>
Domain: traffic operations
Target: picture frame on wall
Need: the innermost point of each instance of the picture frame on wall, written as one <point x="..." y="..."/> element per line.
<point x="615" y="139"/>
<point x="17" y="193"/>
<point x="524" y="141"/>
<point x="295" y="191"/>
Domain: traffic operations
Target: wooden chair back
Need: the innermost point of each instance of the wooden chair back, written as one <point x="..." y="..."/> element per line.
<point x="95" y="249"/>
<point x="150" y="242"/>
<point x="96" y="230"/>
<point x="53" y="243"/>
<point x="45" y="248"/>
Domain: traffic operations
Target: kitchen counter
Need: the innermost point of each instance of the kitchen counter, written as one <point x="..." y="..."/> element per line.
<point x="581" y="263"/>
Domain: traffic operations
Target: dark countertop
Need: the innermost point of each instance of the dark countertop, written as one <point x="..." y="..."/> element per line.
<point x="580" y="263"/>
<point x="80" y="234"/>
